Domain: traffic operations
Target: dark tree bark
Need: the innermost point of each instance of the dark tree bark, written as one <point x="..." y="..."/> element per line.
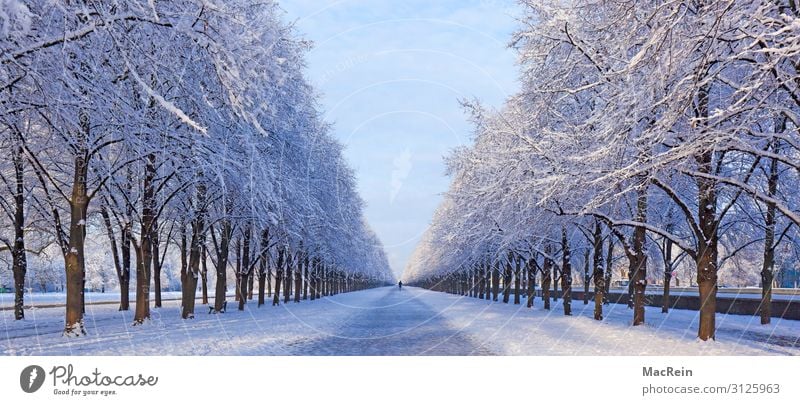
<point x="668" y="268"/>
<point x="566" y="273"/>
<point x="708" y="250"/>
<point x="250" y="279"/>
<point x="495" y="280"/>
<point x="156" y="264"/>
<point x="556" y="280"/>
<point x="221" y="271"/>
<point x="287" y="288"/>
<point x="305" y="277"/>
<point x="597" y="271"/>
<point x="125" y="277"/>
<point x="144" y="249"/>
<point x="324" y="281"/>
<point x="313" y="278"/>
<point x="481" y="280"/>
<point x="768" y="266"/>
<point x="517" y="280"/>
<point x="609" y="268"/>
<point x="298" y="276"/>
<point x="204" y="275"/>
<point x="531" y="286"/>
<point x="243" y="273"/>
<point x="546" y="278"/>
<point x="319" y="281"/>
<point x="263" y="266"/>
<point x="638" y="264"/>
<point x="586" y="277"/>
<point x="276" y="298"/>
<point x="189" y="279"/>
<point x="184" y="250"/>
<point x="74" y="260"/>
<point x="18" y="255"/>
<point x="237" y="270"/>
<point x="507" y="274"/>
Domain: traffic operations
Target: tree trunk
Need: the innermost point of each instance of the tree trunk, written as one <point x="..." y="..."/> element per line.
<point x="144" y="249"/>
<point x="262" y="278"/>
<point x="189" y="279"/>
<point x="125" y="278"/>
<point x="507" y="273"/>
<point x="313" y="280"/>
<point x="707" y="252"/>
<point x="481" y="280"/>
<point x="566" y="273"/>
<point x="287" y="287"/>
<point x="586" y="277"/>
<point x="546" y="278"/>
<point x="269" y="282"/>
<point x="609" y="268"/>
<point x="531" y="287"/>
<point x="262" y="266"/>
<point x="556" y="280"/>
<point x="74" y="261"/>
<point x="156" y="266"/>
<point x="237" y="270"/>
<point x="250" y="284"/>
<point x="18" y="255"/>
<point x="768" y="266"/>
<point x="517" y="281"/>
<point x="668" y="267"/>
<point x="320" y="280"/>
<point x="204" y="275"/>
<point x="276" y="298"/>
<point x="221" y="287"/>
<point x="305" y="277"/>
<point x="638" y="264"/>
<point x="298" y="276"/>
<point x="244" y="271"/>
<point x="495" y="280"/>
<point x="597" y="272"/>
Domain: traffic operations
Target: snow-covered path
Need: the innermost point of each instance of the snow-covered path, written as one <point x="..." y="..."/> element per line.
<point x="394" y="323"/>
<point x="386" y="321"/>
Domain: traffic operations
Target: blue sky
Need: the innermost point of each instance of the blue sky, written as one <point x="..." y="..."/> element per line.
<point x="391" y="73"/>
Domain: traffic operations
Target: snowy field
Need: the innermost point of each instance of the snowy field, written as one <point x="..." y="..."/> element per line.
<point x="386" y="321"/>
<point x="58" y="299"/>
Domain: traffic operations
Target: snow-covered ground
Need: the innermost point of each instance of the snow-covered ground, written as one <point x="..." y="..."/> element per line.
<point x="386" y="321"/>
<point x="58" y="299"/>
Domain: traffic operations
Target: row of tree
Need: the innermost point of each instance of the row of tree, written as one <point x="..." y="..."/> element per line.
<point x="173" y="125"/>
<point x="661" y="129"/>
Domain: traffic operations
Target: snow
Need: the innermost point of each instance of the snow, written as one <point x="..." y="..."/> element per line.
<point x="14" y="16"/>
<point x="58" y="299"/>
<point x="387" y="321"/>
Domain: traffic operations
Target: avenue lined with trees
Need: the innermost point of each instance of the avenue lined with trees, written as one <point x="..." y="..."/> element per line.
<point x="180" y="134"/>
<point x="648" y="140"/>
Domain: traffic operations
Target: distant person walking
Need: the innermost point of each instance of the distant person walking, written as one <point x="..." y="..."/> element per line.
<point x="400" y="285"/>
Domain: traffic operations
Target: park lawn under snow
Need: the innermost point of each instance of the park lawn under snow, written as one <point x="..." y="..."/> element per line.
<point x="39" y="299"/>
<point x="517" y="330"/>
<point x="386" y="321"/>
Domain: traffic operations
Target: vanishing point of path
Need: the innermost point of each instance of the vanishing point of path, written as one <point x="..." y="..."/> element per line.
<point x="396" y="323"/>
